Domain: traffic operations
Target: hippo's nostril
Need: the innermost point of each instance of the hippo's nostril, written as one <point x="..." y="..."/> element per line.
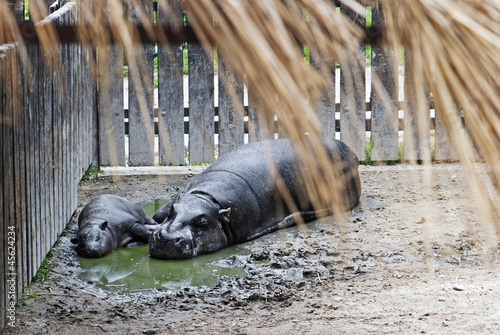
<point x="178" y="240"/>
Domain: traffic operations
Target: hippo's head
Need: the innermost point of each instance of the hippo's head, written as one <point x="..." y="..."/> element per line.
<point x="194" y="226"/>
<point x="94" y="239"/>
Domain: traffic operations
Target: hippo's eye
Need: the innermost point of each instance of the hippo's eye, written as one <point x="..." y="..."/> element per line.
<point x="202" y="220"/>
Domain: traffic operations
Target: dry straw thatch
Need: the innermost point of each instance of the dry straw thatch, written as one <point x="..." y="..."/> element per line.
<point x="454" y="49"/>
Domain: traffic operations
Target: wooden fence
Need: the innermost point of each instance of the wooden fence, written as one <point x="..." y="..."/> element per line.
<point x="168" y="131"/>
<point x="56" y="119"/>
<point x="47" y="118"/>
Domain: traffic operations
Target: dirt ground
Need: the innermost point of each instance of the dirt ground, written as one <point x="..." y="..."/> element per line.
<point x="412" y="257"/>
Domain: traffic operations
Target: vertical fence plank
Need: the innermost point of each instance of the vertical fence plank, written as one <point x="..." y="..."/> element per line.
<point x="417" y="130"/>
<point x="260" y="126"/>
<point x="231" y="109"/>
<point x="20" y="173"/>
<point x="41" y="192"/>
<point x="170" y="90"/>
<point x="48" y="141"/>
<point x="92" y="109"/>
<point x="3" y="208"/>
<point x="73" y="60"/>
<point x="325" y="108"/>
<point x="31" y="204"/>
<point x="11" y="243"/>
<point x="40" y="117"/>
<point x="201" y="105"/>
<point x="352" y="108"/>
<point x="57" y="139"/>
<point x="141" y="114"/>
<point x="62" y="66"/>
<point x="352" y="98"/>
<point x="384" y="98"/>
<point x="110" y="100"/>
<point x="444" y="148"/>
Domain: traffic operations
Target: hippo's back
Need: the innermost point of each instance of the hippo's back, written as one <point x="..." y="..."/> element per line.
<point x="113" y="209"/>
<point x="249" y="176"/>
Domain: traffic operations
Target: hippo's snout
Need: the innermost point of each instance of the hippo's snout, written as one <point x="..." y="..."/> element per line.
<point x="165" y="244"/>
<point x="93" y="250"/>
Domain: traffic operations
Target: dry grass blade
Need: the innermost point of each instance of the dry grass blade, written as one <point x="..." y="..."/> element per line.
<point x="261" y="41"/>
<point x="454" y="53"/>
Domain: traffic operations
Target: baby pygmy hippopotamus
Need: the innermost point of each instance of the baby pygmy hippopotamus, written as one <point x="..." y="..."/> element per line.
<point x="109" y="222"/>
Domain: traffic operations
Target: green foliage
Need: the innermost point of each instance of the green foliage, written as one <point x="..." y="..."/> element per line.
<point x="368" y="16"/>
<point x="26" y="11"/>
<point x="92" y="173"/>
<point x="46" y="267"/>
<point x="185" y="66"/>
<point x="30" y="294"/>
<point x="307" y="54"/>
<point x="368" y="52"/>
<point x="155" y="64"/>
<point x="368" y="152"/>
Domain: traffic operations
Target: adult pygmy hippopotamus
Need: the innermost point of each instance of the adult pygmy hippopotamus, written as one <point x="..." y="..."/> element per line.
<point x="108" y="222"/>
<point x="236" y="200"/>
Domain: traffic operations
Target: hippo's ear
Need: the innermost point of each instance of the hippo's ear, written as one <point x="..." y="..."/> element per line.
<point x="104" y="225"/>
<point x="224" y="214"/>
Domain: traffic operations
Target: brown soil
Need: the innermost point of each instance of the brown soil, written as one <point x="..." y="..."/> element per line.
<point x="411" y="258"/>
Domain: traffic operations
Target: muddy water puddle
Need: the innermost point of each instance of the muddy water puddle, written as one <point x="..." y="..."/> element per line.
<point x="131" y="269"/>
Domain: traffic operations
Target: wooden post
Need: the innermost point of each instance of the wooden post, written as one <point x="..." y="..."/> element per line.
<point x="4" y="188"/>
<point x="170" y="91"/>
<point x="325" y="107"/>
<point x="353" y="97"/>
<point x="417" y="116"/>
<point x="444" y="149"/>
<point x="384" y="98"/>
<point x="141" y="114"/>
<point x="260" y="126"/>
<point x="111" y="118"/>
<point x="231" y="109"/>
<point x="201" y="105"/>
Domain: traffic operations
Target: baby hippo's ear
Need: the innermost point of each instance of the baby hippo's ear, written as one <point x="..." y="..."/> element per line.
<point x="224" y="214"/>
<point x="104" y="225"/>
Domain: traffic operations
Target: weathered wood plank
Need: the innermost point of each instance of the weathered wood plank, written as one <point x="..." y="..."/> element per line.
<point x="4" y="223"/>
<point x="57" y="116"/>
<point x="74" y="63"/>
<point x="352" y="107"/>
<point x="384" y="98"/>
<point x="352" y="97"/>
<point x="31" y="211"/>
<point x="111" y="129"/>
<point x="10" y="242"/>
<point x="325" y="107"/>
<point x="231" y="110"/>
<point x="416" y="115"/>
<point x="91" y="110"/>
<point x="48" y="140"/>
<point x="20" y="173"/>
<point x="444" y="149"/>
<point x="39" y="148"/>
<point x="170" y="91"/>
<point x="201" y="105"/>
<point x="141" y="120"/>
<point x="260" y="126"/>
